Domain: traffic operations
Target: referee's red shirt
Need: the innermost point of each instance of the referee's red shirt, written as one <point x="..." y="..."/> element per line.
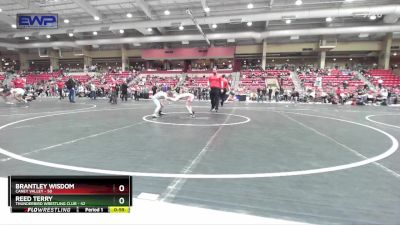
<point x="215" y="81"/>
<point x="19" y="83"/>
<point x="60" y="85"/>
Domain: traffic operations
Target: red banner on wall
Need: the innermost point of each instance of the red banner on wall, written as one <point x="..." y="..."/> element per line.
<point x="189" y="53"/>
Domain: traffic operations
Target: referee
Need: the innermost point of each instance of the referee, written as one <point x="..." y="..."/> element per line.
<point x="215" y="83"/>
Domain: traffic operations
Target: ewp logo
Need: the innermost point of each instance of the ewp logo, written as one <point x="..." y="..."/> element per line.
<point x="37" y="21"/>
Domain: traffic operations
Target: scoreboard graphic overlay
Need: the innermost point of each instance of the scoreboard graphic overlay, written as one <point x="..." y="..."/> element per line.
<point x="70" y="194"/>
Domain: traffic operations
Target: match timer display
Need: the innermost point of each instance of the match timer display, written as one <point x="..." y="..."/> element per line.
<point x="70" y="194"/>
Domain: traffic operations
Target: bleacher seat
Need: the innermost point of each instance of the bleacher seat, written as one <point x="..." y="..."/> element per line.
<point x="253" y="79"/>
<point x="334" y="80"/>
<point x="388" y="78"/>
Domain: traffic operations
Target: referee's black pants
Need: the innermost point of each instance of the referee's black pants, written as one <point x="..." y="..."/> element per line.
<point x="60" y="92"/>
<point x="214" y="96"/>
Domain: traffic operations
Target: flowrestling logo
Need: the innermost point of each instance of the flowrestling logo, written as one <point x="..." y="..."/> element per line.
<point x="37" y="21"/>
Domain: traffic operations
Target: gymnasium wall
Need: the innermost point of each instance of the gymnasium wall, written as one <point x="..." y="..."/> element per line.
<point x="298" y="47"/>
<point x="243" y="49"/>
<point x="286" y="51"/>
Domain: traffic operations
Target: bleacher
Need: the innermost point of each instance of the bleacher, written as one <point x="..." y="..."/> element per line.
<point x="150" y="78"/>
<point x="82" y="78"/>
<point x="252" y="83"/>
<point x="388" y="78"/>
<point x="121" y="75"/>
<point x="193" y="82"/>
<point x="308" y="79"/>
<point x="266" y="73"/>
<point x="96" y="81"/>
<point x="36" y="78"/>
<point x="254" y="79"/>
<point x="220" y="71"/>
<point x="169" y="81"/>
<point x="335" y="79"/>
<point x="79" y="78"/>
<point x="161" y="72"/>
<point x="199" y="78"/>
<point x="112" y="77"/>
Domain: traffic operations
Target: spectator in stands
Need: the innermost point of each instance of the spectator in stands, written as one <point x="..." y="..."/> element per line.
<point x="124" y="92"/>
<point x="324" y="97"/>
<point x="199" y="93"/>
<point x="136" y="92"/>
<point x="338" y="95"/>
<point x="259" y="95"/>
<point x="145" y="91"/>
<point x="396" y="97"/>
<point x="371" y="96"/>
<point x="380" y="82"/>
<point x="154" y="89"/>
<point x="382" y="96"/>
<point x="71" y="88"/>
<point x="276" y="95"/>
<point x="270" y="93"/>
<point x="47" y="90"/>
<point x="99" y="92"/>
<point x="39" y="90"/>
<point x="92" y="91"/>
<point x="205" y="94"/>
<point x="81" y="90"/>
<point x="60" y="86"/>
<point x="93" y="68"/>
<point x="114" y="93"/>
<point x="53" y="89"/>
<point x="253" y="96"/>
<point x="294" y="95"/>
<point x="264" y="93"/>
<point x="389" y="96"/>
<point x="345" y="84"/>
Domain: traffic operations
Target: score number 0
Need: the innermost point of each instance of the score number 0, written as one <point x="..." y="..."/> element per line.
<point x="121" y="200"/>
